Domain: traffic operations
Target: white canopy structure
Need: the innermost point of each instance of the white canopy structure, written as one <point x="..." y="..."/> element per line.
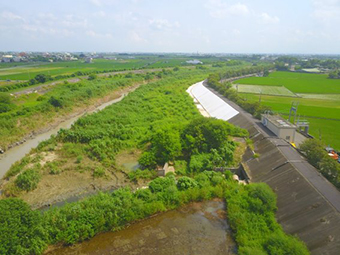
<point x="211" y="103"/>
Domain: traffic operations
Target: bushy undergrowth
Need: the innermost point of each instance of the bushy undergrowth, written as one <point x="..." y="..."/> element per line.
<point x="319" y="158"/>
<point x="23" y="118"/>
<point x="250" y="212"/>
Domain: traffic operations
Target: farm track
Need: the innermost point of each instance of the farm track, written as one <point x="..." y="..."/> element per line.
<point x="312" y="117"/>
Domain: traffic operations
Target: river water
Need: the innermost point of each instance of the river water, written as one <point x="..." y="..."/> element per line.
<point x="194" y="229"/>
<point x="18" y="152"/>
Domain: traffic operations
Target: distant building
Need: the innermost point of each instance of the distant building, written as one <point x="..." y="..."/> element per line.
<point x="88" y="60"/>
<point x="279" y="126"/>
<point x="7" y="58"/>
<point x="17" y="59"/>
<point x="194" y="62"/>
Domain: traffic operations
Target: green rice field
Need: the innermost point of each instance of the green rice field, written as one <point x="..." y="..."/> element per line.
<point x="335" y="97"/>
<point x="26" y="71"/>
<point x="317" y="108"/>
<point x="265" y="90"/>
<point x="297" y="82"/>
<point x="318" y="98"/>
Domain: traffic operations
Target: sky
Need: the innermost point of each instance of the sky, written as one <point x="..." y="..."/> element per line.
<point x="204" y="26"/>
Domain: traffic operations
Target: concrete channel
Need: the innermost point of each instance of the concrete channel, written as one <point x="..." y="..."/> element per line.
<point x="308" y="205"/>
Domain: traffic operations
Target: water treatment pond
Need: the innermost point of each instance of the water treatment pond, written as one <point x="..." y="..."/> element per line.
<point x="195" y="229"/>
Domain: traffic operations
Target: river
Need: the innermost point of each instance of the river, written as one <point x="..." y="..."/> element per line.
<point x="18" y="152"/>
<point x="195" y="229"/>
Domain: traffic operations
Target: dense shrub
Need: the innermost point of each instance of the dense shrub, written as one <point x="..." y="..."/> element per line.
<point x="185" y="182"/>
<point x="318" y="157"/>
<point x="28" y="180"/>
<point x="21" y="230"/>
<point x="251" y="214"/>
<point x="27" y="232"/>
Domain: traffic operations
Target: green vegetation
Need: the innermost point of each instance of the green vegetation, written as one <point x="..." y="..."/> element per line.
<point x="27" y="112"/>
<point x="319" y="158"/>
<point x="22" y="71"/>
<point x="321" y="113"/>
<point x="98" y="138"/>
<point x="160" y="119"/>
<point x="250" y="210"/>
<point x="251" y="214"/>
<point x="264" y="90"/>
<point x="203" y="143"/>
<point x="297" y="82"/>
<point x="334" y="75"/>
<point x="5" y="103"/>
<point x="21" y="228"/>
<point x="320" y="109"/>
<point x="28" y="180"/>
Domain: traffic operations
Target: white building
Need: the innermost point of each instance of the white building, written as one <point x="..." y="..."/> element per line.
<point x="88" y="60"/>
<point x="194" y="62"/>
<point x="279" y="126"/>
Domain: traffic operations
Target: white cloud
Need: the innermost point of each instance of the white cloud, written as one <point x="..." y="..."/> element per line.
<point x="219" y="9"/>
<point x="265" y="18"/>
<point x="326" y="11"/>
<point x="162" y="24"/>
<point x="136" y="38"/>
<point x="96" y="2"/>
<point x="101" y="3"/>
<point x="92" y="33"/>
<point x="11" y="16"/>
<point x="100" y="14"/>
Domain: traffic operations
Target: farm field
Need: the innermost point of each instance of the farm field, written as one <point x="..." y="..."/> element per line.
<point x="318" y="108"/>
<point x="335" y="97"/>
<point x="297" y="82"/>
<point x="60" y="68"/>
<point x="265" y="90"/>
<point x="26" y="71"/>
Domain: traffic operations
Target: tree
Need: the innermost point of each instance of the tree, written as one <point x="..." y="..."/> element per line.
<point x="314" y="151"/>
<point x="5" y="98"/>
<point x="261" y="198"/>
<point x="41" y="78"/>
<point x="28" y="180"/>
<point x="21" y="228"/>
<point x="185" y="182"/>
<point x="92" y="76"/>
<point x="161" y="184"/>
<point x="166" y="144"/>
<point x="5" y="102"/>
<point x="280" y="244"/>
<point x="148" y="160"/>
<point x="56" y="102"/>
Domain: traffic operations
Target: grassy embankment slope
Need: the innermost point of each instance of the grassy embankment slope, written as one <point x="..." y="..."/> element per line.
<point x="320" y="97"/>
<point x="162" y="120"/>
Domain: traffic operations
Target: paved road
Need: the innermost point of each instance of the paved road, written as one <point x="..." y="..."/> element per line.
<point x="310" y="173"/>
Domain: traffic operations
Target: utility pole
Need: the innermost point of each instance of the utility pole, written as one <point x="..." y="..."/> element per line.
<point x="260" y="96"/>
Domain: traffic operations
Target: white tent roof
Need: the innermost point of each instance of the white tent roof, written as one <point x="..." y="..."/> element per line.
<point x="213" y="104"/>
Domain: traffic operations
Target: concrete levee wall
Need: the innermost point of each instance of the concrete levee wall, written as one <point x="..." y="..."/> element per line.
<point x="302" y="210"/>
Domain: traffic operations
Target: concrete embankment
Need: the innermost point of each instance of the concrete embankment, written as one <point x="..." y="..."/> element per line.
<point x="308" y="205"/>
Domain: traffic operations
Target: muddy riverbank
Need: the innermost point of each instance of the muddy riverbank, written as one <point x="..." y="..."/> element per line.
<point x="197" y="228"/>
